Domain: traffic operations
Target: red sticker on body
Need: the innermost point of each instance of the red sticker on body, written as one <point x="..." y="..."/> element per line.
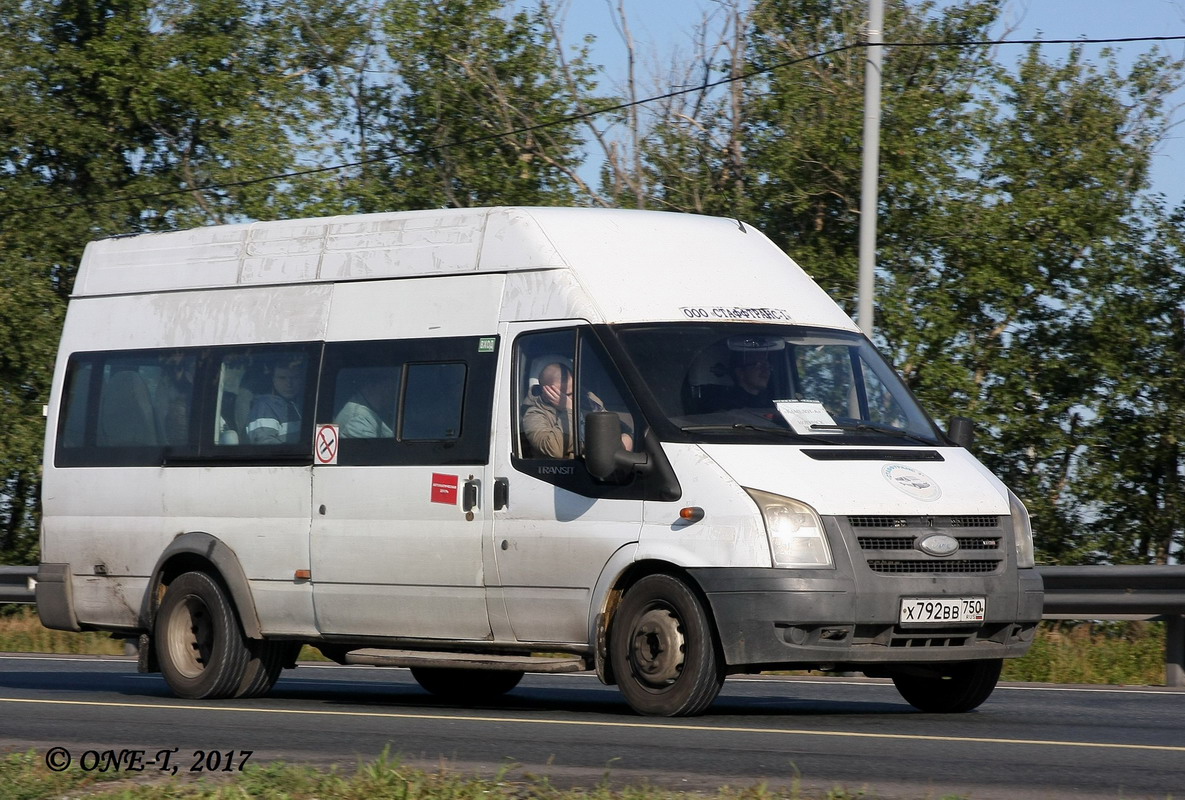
<point x="444" y="488"/>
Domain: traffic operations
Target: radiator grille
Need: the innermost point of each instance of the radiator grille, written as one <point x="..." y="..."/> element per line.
<point x="878" y="522"/>
<point x="980" y="521"/>
<point x="886" y="542"/>
<point x="909" y="542"/>
<point x="888" y="522"/>
<point x="957" y="567"/>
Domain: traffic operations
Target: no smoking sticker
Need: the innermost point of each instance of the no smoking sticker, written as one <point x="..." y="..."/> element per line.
<point x="325" y="445"/>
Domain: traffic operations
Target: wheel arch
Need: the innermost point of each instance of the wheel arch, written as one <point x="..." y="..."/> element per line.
<point x="198" y="551"/>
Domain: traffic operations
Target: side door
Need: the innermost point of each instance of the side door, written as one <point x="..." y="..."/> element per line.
<point x="554" y="528"/>
<point x="397" y="533"/>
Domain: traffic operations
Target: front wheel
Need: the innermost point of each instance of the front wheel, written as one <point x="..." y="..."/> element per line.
<point x="663" y="649"/>
<point x="953" y="689"/>
<point x="201" y="648"/>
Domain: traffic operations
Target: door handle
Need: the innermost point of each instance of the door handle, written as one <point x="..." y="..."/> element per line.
<point x="501" y="493"/>
<point x="469" y="494"/>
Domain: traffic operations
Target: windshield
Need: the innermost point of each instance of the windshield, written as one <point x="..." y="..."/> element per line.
<point x="753" y="383"/>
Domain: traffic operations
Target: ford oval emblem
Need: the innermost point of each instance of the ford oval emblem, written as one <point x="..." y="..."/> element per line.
<point x="939" y="545"/>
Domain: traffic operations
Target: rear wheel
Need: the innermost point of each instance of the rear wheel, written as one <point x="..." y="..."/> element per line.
<point x="663" y="649"/>
<point x="953" y="688"/>
<point x="466" y="685"/>
<point x="201" y="648"/>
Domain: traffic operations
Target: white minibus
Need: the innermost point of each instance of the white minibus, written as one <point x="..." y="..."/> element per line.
<point x="484" y="442"/>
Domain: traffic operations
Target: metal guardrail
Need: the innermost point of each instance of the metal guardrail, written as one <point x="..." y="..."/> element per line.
<point x="1100" y="592"/>
<point x="1123" y="592"/>
<point x="16" y="584"/>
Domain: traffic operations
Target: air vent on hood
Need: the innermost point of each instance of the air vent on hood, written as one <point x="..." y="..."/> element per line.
<point x="836" y="454"/>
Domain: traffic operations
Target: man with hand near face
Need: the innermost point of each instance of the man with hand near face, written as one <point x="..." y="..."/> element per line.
<point x="548" y="418"/>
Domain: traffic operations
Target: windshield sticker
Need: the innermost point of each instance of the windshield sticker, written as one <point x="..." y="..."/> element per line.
<point x="807" y="416"/>
<point x="914" y="483"/>
<point x="736" y="312"/>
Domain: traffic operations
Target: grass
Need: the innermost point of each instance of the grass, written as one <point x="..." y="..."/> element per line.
<point x="21" y="632"/>
<point x="1114" y="653"/>
<point x="24" y="776"/>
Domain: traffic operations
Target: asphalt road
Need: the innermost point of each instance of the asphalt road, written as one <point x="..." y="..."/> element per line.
<point x="1025" y="742"/>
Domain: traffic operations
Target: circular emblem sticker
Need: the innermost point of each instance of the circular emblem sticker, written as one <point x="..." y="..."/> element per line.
<point x="911" y="481"/>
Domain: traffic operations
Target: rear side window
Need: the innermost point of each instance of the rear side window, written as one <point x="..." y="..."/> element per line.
<point x="188" y="406"/>
<point x="126" y="408"/>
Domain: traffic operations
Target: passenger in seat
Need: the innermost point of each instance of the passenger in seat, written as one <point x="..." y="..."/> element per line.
<point x="364" y="416"/>
<point x="276" y="418"/>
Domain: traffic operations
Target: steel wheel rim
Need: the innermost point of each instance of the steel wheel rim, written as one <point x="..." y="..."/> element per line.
<point x="658" y="647"/>
<point x="191" y="637"/>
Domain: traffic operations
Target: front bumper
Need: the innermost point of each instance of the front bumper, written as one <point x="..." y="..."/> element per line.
<point x="805" y="619"/>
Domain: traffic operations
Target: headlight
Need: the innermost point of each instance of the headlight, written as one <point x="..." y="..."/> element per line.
<point x="796" y="537"/>
<point x="1022" y="529"/>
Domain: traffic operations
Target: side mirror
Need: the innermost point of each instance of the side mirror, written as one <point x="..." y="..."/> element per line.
<point x="604" y="456"/>
<point x="961" y="432"/>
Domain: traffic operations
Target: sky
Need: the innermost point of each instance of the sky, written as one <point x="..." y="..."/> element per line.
<point x="664" y="27"/>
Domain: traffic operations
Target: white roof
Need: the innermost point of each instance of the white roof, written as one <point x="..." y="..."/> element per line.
<point x="633" y="265"/>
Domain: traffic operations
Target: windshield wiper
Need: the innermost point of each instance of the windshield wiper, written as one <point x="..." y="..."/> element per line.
<point x="869" y="427"/>
<point x="739" y="426"/>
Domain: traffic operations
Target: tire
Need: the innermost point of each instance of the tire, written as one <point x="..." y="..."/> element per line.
<point x="663" y="649"/>
<point x="958" y="688"/>
<point x="265" y="663"/>
<point x="466" y="685"/>
<point x="202" y="651"/>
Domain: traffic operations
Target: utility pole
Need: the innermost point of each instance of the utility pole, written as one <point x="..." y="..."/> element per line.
<point x="871" y="165"/>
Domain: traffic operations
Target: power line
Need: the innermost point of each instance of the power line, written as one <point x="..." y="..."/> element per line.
<point x="416" y="151"/>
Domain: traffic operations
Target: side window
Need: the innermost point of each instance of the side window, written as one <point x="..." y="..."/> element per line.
<point x="544" y="366"/>
<point x="128" y="408"/>
<point x="562" y="376"/>
<point x="409" y="402"/>
<point x="598" y="388"/>
<point x="433" y="401"/>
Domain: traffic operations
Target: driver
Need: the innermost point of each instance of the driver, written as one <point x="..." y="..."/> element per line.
<point x="750" y="371"/>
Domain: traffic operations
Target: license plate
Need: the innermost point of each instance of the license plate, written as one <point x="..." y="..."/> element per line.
<point x="923" y="610"/>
